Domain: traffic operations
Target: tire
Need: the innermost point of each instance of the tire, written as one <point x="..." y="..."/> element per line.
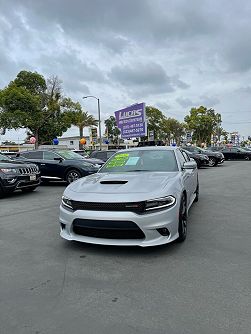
<point x="28" y="190"/>
<point x="198" y="164"/>
<point x="1" y="192"/>
<point x="212" y="162"/>
<point x="72" y="175"/>
<point x="197" y="192"/>
<point x="247" y="158"/>
<point x="182" y="220"/>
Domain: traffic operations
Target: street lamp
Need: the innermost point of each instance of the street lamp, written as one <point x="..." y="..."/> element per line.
<point x="99" y="119"/>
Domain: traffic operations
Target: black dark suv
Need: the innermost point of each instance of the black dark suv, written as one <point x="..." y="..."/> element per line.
<point x="16" y="175"/>
<point x="215" y="158"/>
<point x="59" y="164"/>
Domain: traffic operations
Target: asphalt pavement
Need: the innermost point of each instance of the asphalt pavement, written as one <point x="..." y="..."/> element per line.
<point x="203" y="286"/>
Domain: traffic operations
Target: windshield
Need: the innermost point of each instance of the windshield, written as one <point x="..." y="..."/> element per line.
<point x="141" y="160"/>
<point x="68" y="155"/>
<point x="4" y="158"/>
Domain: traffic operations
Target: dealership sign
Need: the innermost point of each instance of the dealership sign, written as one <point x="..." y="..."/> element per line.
<point x="132" y="121"/>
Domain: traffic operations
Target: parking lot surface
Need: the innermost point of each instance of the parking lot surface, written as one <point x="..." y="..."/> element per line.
<point x="49" y="285"/>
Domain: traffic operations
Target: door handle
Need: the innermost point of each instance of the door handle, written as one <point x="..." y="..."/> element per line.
<point x="42" y="164"/>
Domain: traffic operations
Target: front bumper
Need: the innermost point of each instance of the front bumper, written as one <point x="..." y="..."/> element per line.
<point x="147" y="223"/>
<point x="11" y="183"/>
<point x="221" y="160"/>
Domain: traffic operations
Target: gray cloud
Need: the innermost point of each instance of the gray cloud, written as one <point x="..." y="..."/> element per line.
<point x="207" y="101"/>
<point x="146" y="79"/>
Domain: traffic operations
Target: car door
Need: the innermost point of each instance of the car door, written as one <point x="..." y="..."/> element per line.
<point x="227" y="153"/>
<point x="240" y="154"/>
<point x="52" y="164"/>
<point x="189" y="177"/>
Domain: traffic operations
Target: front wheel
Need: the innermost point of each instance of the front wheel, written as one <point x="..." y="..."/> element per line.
<point x="212" y="162"/>
<point x="72" y="175"/>
<point x="182" y="220"/>
<point x="247" y="158"/>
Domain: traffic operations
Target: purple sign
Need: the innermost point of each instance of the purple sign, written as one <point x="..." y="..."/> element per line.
<point x="132" y="121"/>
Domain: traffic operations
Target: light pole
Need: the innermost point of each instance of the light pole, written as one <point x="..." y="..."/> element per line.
<point x="99" y="119"/>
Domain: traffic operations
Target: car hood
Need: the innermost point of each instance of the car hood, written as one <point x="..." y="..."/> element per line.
<point x="14" y="164"/>
<point x="116" y="187"/>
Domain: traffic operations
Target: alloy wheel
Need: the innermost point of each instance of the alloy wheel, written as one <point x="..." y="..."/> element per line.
<point x="72" y="176"/>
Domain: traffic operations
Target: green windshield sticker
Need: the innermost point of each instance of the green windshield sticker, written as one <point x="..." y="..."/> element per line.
<point x="132" y="161"/>
<point x="118" y="160"/>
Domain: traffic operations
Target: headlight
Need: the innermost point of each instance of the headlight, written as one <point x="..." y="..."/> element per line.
<point x="160" y="203"/>
<point x="66" y="202"/>
<point x="9" y="170"/>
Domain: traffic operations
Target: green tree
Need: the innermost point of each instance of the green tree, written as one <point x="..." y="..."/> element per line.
<point x="173" y="129"/>
<point x="28" y="102"/>
<point x="82" y="119"/>
<point x="155" y="119"/>
<point x="112" y="131"/>
<point x="203" y="123"/>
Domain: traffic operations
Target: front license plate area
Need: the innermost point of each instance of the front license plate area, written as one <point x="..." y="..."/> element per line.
<point x="32" y="177"/>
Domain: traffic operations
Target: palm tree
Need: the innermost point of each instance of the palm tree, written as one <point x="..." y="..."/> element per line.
<point x="82" y="120"/>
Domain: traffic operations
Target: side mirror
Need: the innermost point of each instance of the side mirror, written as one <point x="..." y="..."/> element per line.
<point x="189" y="164"/>
<point x="58" y="159"/>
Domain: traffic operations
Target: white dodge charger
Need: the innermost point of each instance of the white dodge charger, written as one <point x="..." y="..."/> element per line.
<point x="141" y="196"/>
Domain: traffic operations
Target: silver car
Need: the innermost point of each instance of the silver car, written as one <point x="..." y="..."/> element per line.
<point x="140" y="197"/>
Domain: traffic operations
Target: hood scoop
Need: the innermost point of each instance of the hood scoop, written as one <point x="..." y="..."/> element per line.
<point x="113" y="182"/>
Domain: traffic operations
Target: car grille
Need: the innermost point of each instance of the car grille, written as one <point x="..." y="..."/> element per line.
<point x="107" y="229"/>
<point x="137" y="207"/>
<point x="28" y="170"/>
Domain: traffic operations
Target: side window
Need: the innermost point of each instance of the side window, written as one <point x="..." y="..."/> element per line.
<point x="32" y="155"/>
<point x="181" y="157"/>
<point x="49" y="155"/>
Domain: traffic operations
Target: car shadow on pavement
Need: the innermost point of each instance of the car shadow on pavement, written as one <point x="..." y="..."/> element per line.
<point x="84" y="249"/>
<point x="53" y="183"/>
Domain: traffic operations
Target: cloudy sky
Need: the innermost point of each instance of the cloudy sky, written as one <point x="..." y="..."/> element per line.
<point x="172" y="54"/>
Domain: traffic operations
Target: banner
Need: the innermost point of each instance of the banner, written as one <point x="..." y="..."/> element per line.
<point x="132" y="121"/>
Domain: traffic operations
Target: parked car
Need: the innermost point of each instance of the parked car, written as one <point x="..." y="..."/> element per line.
<point x="16" y="175"/>
<point x="102" y="155"/>
<point x="236" y="153"/>
<point x="60" y="164"/>
<point x="151" y="143"/>
<point x="141" y="197"/>
<point x="215" y="158"/>
<point x="201" y="159"/>
<point x="86" y="157"/>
